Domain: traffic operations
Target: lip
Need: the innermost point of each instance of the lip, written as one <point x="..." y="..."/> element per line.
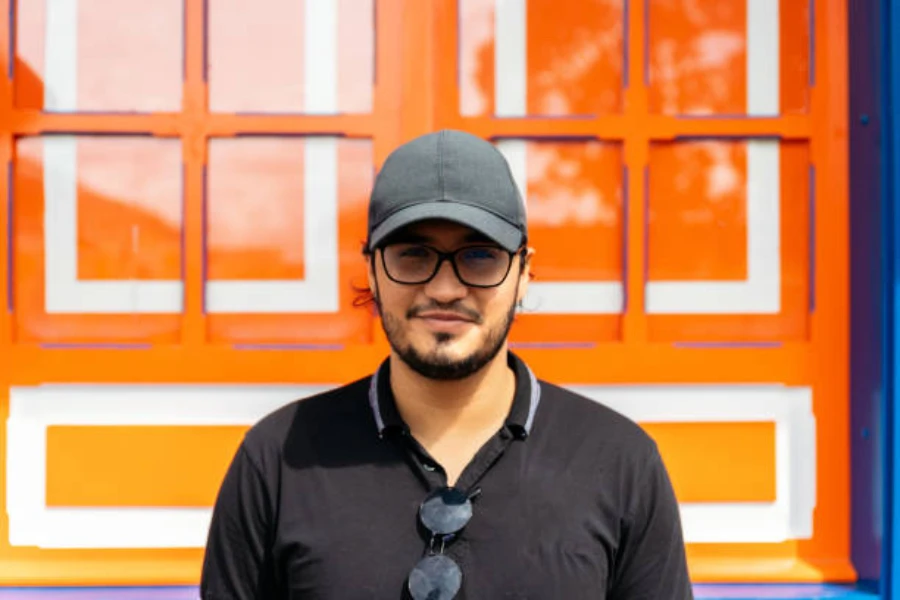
<point x="448" y="322"/>
<point x="435" y="315"/>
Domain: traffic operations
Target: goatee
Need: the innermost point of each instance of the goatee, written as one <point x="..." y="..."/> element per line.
<point x="437" y="365"/>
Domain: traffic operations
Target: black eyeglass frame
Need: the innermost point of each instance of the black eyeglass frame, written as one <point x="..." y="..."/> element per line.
<point x="451" y="257"/>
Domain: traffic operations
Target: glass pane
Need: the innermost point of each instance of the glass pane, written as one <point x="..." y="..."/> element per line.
<point x="97" y="226"/>
<point x="731" y="57"/>
<point x="728" y="230"/>
<point x="291" y="56"/>
<point x="286" y="218"/>
<point x="100" y="55"/>
<point x="540" y="57"/>
<point x="574" y="197"/>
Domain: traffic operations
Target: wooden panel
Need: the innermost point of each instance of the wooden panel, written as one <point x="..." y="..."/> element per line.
<point x="718" y="462"/>
<point x="158" y="466"/>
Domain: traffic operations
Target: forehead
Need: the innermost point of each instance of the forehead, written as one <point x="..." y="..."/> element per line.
<point x="440" y="232"/>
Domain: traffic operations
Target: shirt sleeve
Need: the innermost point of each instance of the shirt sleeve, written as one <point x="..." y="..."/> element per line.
<point x="237" y="564"/>
<point x="651" y="563"/>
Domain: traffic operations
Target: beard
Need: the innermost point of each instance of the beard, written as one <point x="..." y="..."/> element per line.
<point x="436" y="364"/>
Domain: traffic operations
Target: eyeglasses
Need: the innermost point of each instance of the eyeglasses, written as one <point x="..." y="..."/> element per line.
<point x="475" y="266"/>
<point x="445" y="512"/>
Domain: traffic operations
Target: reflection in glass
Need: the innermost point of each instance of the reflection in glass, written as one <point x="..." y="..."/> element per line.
<point x="697" y="211"/>
<point x="552" y="58"/>
<point x="574" y="195"/>
<point x="97" y="236"/>
<point x="729" y="57"/>
<point x="291" y="56"/>
<point x="255" y="208"/>
<point x="100" y="55"/>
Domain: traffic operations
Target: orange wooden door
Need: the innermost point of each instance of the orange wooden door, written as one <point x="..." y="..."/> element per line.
<point x="184" y="217"/>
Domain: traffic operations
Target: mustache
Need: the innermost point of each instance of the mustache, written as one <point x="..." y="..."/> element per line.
<point x="459" y="309"/>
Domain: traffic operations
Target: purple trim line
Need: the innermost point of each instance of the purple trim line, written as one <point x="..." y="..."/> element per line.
<point x="10" y="263"/>
<point x="204" y="224"/>
<point x="625" y="55"/>
<point x="625" y="207"/>
<point x="812" y="43"/>
<point x="11" y="51"/>
<point x="812" y="238"/>
<point x="94" y="593"/>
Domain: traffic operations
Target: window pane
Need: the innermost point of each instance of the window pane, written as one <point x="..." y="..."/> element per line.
<point x="291" y="56"/>
<point x="100" y="55"/>
<point x="540" y="57"/>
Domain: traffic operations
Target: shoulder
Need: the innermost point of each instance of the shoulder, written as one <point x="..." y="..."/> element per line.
<point x="304" y="420"/>
<point x="566" y="411"/>
<point x="599" y="443"/>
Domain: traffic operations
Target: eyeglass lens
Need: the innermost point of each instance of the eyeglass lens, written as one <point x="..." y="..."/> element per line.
<point x="475" y="265"/>
<point x="444" y="512"/>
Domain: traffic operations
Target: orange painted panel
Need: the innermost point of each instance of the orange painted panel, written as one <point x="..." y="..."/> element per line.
<point x="706" y="246"/>
<point x="575" y="200"/>
<point x="255" y="208"/>
<point x="257" y="57"/>
<point x="574" y="57"/>
<point x="697" y="56"/>
<point x="718" y="462"/>
<point x="131" y="466"/>
<point x="697" y="217"/>
<point x="135" y="66"/>
<point x="138" y="237"/>
<point x="277" y="182"/>
<point x="129" y="229"/>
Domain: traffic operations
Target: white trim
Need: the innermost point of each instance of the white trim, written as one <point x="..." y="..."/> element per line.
<point x="61" y="55"/>
<point x="510" y="58"/>
<point x="760" y="293"/>
<point x="559" y="297"/>
<point x="763" y="57"/>
<point x="790" y="516"/>
<point x="33" y="409"/>
<point x="320" y="57"/>
<point x="318" y="291"/>
<point x="64" y="292"/>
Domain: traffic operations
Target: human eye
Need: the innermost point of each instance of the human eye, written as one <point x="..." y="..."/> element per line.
<point x="480" y="254"/>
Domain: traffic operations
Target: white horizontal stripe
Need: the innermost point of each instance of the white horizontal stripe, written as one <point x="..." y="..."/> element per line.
<point x="32" y="409"/>
<point x="574" y="297"/>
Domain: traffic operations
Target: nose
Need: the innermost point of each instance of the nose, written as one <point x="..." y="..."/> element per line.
<point x="445" y="286"/>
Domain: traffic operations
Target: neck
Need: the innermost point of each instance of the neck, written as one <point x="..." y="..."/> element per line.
<point x="435" y="409"/>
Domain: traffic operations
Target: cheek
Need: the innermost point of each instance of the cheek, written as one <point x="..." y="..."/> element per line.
<point x="395" y="299"/>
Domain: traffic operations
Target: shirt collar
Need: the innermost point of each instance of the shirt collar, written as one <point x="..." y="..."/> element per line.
<point x="519" y="421"/>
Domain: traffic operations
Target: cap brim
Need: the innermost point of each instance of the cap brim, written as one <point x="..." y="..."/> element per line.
<point x="482" y="221"/>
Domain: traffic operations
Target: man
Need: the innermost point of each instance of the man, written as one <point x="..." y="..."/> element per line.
<point x="451" y="472"/>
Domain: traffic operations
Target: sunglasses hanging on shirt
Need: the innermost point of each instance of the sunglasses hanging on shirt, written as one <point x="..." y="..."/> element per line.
<point x="445" y="512"/>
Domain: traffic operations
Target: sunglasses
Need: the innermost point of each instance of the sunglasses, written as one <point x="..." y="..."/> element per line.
<point x="445" y="512"/>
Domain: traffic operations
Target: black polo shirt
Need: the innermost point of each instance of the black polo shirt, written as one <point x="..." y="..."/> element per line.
<point x="322" y="496"/>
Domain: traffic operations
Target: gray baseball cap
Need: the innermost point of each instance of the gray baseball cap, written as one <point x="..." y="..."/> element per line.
<point x="449" y="175"/>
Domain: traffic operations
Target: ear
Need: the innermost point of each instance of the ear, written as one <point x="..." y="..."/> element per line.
<point x="524" y="274"/>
